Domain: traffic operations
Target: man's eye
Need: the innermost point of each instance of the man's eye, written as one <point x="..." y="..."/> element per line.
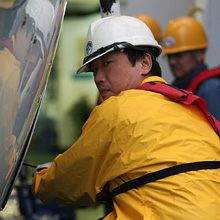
<point x="94" y="70"/>
<point x="106" y="63"/>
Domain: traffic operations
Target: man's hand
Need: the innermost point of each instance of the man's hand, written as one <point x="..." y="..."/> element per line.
<point x="41" y="167"/>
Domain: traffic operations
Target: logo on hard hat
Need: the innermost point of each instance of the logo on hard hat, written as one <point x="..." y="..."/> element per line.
<point x="89" y="47"/>
<point x="169" y="41"/>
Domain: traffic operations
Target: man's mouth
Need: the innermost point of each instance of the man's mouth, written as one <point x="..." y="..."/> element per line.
<point x="103" y="91"/>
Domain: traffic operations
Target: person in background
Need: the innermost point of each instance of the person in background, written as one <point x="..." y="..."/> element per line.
<point x="185" y="43"/>
<point x="144" y="129"/>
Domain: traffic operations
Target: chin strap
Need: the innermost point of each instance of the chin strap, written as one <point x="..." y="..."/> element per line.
<point x="161" y="174"/>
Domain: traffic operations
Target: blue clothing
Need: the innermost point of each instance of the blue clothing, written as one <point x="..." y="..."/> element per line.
<point x="184" y="82"/>
<point x="209" y="90"/>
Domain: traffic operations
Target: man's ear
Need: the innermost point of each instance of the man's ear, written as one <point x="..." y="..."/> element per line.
<point x="146" y="64"/>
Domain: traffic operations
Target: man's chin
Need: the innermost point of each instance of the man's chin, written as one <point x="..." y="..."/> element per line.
<point x="106" y="96"/>
<point x="178" y="74"/>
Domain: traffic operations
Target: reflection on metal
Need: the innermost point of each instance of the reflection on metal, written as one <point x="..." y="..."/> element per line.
<point x="29" y="32"/>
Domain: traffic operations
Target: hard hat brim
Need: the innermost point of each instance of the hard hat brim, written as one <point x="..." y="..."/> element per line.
<point x="116" y="46"/>
<point x="84" y="67"/>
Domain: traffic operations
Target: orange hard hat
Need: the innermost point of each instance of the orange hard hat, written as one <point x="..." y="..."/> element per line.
<point x="152" y="24"/>
<point x="183" y="34"/>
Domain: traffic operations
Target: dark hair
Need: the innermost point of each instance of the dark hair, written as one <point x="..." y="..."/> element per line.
<point x="134" y="54"/>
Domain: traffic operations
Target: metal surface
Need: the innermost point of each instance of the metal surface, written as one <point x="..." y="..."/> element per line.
<point x="29" y="32"/>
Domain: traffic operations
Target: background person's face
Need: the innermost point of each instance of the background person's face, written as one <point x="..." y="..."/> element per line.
<point x="114" y="73"/>
<point x="182" y="64"/>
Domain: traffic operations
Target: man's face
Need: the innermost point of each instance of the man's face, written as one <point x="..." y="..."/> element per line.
<point x="182" y="64"/>
<point x="114" y="73"/>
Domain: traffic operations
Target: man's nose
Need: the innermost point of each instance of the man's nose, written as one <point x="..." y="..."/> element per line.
<point x="99" y="77"/>
<point x="172" y="58"/>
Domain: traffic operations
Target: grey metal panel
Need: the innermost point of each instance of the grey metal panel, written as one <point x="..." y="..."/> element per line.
<point x="28" y="40"/>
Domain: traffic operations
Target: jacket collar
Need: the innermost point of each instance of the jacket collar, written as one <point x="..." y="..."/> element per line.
<point x="155" y="79"/>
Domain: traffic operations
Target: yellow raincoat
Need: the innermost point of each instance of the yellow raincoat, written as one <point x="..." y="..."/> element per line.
<point x="9" y="101"/>
<point x="128" y="136"/>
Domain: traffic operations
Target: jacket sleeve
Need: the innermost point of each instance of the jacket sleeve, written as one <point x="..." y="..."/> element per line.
<point x="77" y="175"/>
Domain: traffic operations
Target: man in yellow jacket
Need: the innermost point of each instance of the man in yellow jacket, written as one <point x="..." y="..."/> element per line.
<point x="133" y="133"/>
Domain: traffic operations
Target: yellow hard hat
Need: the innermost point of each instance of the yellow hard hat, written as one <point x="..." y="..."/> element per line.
<point x="152" y="24"/>
<point x="183" y="34"/>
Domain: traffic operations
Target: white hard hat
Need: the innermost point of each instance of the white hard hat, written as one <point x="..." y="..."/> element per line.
<point x="113" y="33"/>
